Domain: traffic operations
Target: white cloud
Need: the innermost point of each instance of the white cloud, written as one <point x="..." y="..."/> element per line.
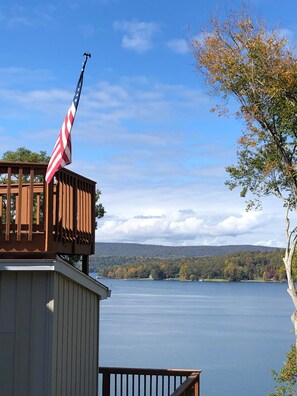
<point x="233" y="225"/>
<point x="193" y="213"/>
<point x="138" y="35"/>
<point x="178" y="228"/>
<point x="180" y="46"/>
<point x="19" y="16"/>
<point x="24" y="78"/>
<point x="188" y="226"/>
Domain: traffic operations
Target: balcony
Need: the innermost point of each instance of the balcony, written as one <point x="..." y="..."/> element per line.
<point x="40" y="220"/>
<point x="148" y="382"/>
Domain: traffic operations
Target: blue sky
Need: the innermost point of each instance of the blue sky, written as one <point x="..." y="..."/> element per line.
<point x="144" y="131"/>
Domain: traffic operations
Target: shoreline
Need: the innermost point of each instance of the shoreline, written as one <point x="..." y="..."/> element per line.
<point x="198" y="281"/>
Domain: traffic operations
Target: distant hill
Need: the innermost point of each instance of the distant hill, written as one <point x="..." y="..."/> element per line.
<point x="158" y="251"/>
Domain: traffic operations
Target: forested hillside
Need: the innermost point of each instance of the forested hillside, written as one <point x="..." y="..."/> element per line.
<point x="140" y="250"/>
<point x="237" y="266"/>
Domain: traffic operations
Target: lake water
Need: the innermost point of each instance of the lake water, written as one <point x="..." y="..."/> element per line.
<point x="235" y="332"/>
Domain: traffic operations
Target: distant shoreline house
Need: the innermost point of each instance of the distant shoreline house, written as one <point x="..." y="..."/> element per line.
<point x="49" y="310"/>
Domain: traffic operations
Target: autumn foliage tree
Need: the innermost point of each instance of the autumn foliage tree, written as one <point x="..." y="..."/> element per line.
<point x="240" y="58"/>
<point x="287" y="377"/>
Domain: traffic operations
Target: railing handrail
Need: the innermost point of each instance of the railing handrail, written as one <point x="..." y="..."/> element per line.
<point x="41" y="167"/>
<point x="148" y="371"/>
<point x="179" y="382"/>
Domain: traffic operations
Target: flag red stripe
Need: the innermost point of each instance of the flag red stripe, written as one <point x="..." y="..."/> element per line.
<point x="61" y="154"/>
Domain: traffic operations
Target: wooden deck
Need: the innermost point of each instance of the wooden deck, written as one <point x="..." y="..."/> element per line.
<point x="115" y="381"/>
<point x="40" y="220"/>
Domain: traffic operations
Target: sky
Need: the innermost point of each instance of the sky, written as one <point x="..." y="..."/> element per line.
<point x="143" y="130"/>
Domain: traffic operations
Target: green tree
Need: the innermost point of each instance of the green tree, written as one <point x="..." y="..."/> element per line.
<point x="99" y="208"/>
<point x="231" y="271"/>
<point x="184" y="272"/>
<point x="24" y="155"/>
<point x="157" y="273"/>
<point x="242" y="59"/>
<point x="287" y="377"/>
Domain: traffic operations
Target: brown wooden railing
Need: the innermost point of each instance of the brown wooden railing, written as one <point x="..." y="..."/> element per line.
<point x="115" y="381"/>
<point x="43" y="220"/>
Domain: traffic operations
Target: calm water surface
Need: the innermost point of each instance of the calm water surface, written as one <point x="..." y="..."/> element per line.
<point x="235" y="332"/>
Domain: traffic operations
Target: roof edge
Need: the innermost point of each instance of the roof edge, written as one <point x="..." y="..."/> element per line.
<point x="59" y="266"/>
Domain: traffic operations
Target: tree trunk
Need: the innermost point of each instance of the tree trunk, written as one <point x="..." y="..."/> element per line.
<point x="294" y="315"/>
<point x="288" y="261"/>
<point x="294" y="320"/>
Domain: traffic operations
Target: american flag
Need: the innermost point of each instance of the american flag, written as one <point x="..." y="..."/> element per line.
<point x="61" y="155"/>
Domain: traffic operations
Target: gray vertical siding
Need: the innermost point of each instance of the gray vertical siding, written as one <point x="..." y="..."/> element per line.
<point x="7" y="333"/>
<point x="75" y="341"/>
<point x="24" y="342"/>
<point x="48" y="335"/>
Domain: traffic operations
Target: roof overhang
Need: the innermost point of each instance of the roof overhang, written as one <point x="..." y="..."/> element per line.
<point x="60" y="267"/>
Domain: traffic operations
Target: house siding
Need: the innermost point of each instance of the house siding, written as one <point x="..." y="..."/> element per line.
<point x="48" y="335"/>
<point x="24" y="333"/>
<point x="75" y="341"/>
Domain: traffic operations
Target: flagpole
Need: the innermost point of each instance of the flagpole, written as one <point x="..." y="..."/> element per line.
<point x="87" y="55"/>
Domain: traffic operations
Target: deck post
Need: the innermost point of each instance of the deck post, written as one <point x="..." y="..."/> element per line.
<point x="197" y="387"/>
<point x="85" y="264"/>
<point x="106" y="384"/>
<point x="48" y="210"/>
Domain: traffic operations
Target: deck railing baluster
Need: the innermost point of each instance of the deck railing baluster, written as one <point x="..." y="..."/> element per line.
<point x="168" y="385"/>
<point x="19" y="209"/>
<point x="133" y="384"/>
<point x="144" y="385"/>
<point x="121" y="377"/>
<point x="8" y="206"/>
<point x="106" y="384"/>
<point x="41" y="220"/>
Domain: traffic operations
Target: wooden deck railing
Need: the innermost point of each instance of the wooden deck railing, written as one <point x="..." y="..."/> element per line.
<point x="114" y="381"/>
<point x="44" y="220"/>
